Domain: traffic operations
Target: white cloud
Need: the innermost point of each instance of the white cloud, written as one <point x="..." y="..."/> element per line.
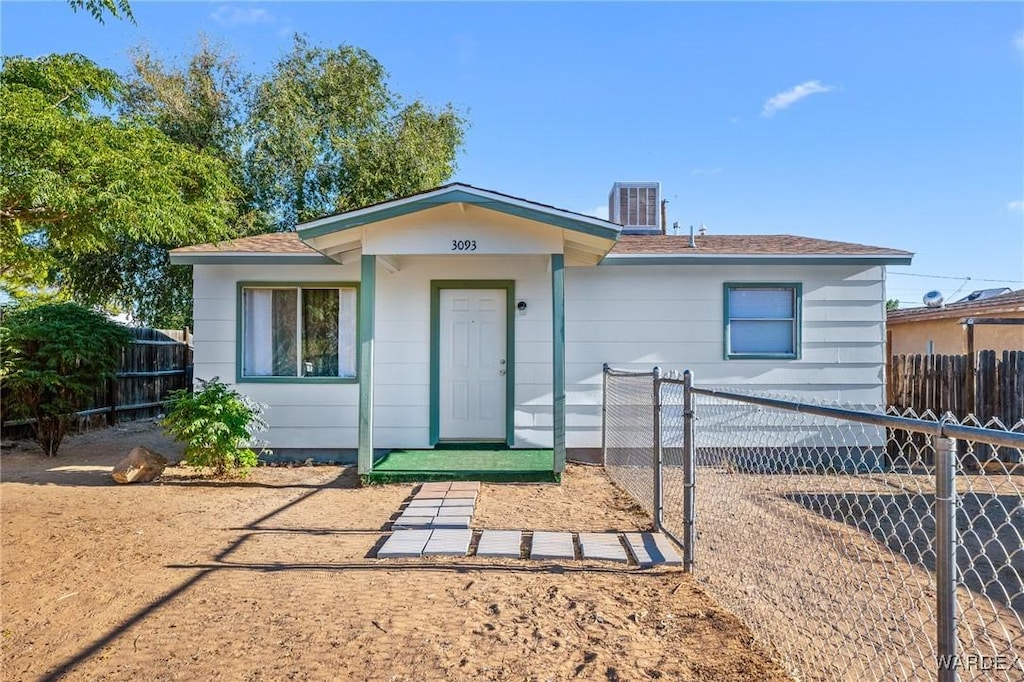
<point x="1015" y="206"/>
<point x="231" y="15"/>
<point x="787" y="98"/>
<point x="599" y="212"/>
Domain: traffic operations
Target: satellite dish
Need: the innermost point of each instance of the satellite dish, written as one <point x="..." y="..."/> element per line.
<point x="933" y="299"/>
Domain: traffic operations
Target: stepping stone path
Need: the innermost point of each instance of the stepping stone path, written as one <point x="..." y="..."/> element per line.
<point x="436" y="522"/>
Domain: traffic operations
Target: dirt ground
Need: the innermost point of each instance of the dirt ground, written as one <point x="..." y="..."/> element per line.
<point x="271" y="578"/>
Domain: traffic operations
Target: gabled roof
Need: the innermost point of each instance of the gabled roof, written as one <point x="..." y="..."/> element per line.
<point x="458" y="192"/>
<point x="1012" y="302"/>
<point x="261" y="249"/>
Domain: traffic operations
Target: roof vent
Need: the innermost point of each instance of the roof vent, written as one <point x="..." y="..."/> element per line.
<point x="634" y="205"/>
<point x="933" y="299"/>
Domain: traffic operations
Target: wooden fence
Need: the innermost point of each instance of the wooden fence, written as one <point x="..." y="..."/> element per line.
<point x="156" y="362"/>
<point x="987" y="385"/>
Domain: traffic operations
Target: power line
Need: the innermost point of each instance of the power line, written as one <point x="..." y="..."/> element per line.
<point x="965" y="278"/>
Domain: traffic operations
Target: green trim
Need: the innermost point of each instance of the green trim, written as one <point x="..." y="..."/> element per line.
<point x="766" y="259"/>
<point x="797" y="288"/>
<point x="386" y="477"/>
<point x="367" y="296"/>
<point x="251" y="259"/>
<point x="436" y="286"/>
<point x="558" y="358"/>
<point x="240" y="332"/>
<point x="359" y="218"/>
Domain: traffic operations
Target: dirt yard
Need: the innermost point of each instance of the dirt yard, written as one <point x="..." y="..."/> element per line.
<point x="271" y="578"/>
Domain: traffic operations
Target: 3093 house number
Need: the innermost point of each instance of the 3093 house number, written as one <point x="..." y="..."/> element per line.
<point x="463" y="245"/>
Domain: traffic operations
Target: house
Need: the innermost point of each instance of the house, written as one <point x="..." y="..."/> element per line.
<point x="463" y="314"/>
<point x="945" y="329"/>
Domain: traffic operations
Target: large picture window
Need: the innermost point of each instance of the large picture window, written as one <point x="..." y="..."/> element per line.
<point x="762" y="321"/>
<point x="298" y="332"/>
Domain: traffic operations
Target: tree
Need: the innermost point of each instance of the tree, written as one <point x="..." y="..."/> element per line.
<point x="98" y="8"/>
<point x="75" y="186"/>
<point x="892" y="304"/>
<point x="55" y="355"/>
<point x="327" y="134"/>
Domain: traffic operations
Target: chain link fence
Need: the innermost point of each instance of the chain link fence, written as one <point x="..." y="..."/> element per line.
<point x="856" y="545"/>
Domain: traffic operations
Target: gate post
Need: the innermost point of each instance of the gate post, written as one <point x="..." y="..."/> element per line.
<point x="656" y="406"/>
<point x="604" y="414"/>
<point x="689" y="473"/>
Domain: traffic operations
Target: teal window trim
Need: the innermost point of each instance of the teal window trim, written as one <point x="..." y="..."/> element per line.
<point x="797" y="288"/>
<point x="436" y="286"/>
<point x="240" y="332"/>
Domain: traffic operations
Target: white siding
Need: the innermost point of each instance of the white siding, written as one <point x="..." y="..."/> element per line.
<point x="636" y="317"/>
<point x="628" y="316"/>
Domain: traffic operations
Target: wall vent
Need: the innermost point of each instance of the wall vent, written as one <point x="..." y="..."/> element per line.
<point x="636" y="206"/>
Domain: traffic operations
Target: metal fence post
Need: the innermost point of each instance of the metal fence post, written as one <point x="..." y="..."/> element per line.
<point x="689" y="473"/>
<point x="945" y="558"/>
<point x="659" y="517"/>
<point x="604" y="414"/>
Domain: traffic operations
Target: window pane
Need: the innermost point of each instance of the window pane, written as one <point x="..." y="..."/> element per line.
<point x="320" y="332"/>
<point x="269" y="346"/>
<point x="347" y="333"/>
<point x="761" y="336"/>
<point x="760" y="303"/>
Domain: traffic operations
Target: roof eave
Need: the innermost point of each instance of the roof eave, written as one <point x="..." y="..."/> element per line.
<point x="460" y="194"/>
<point x="248" y="258"/>
<point x="754" y="259"/>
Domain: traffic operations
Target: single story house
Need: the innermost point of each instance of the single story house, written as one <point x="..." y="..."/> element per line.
<point x="463" y="314"/>
<point x="997" y="321"/>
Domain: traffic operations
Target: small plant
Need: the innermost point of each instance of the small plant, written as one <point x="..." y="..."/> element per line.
<point x="55" y="356"/>
<point x="218" y="426"/>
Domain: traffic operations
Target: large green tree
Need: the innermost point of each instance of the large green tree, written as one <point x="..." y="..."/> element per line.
<point x="77" y="185"/>
<point x="328" y="134"/>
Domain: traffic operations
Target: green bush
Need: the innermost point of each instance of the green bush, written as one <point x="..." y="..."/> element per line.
<point x="217" y="425"/>
<point x="55" y="356"/>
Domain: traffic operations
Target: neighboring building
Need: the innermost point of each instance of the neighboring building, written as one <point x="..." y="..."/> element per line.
<point x="463" y="314"/>
<point x="942" y="330"/>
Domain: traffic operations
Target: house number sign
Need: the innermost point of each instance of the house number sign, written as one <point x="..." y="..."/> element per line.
<point x="463" y="245"/>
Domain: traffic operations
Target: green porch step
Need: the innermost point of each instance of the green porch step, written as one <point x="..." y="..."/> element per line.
<point x="462" y="464"/>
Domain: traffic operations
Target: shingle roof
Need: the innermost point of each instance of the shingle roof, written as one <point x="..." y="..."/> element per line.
<point x="274" y="242"/>
<point x="782" y="245"/>
<point x="1007" y="303"/>
<point x="766" y="244"/>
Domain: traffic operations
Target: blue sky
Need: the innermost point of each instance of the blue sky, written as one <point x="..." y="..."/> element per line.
<point x="896" y="125"/>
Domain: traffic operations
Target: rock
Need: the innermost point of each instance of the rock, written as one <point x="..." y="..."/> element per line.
<point x="141" y="465"/>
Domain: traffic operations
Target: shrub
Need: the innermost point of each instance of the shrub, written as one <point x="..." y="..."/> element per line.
<point x="55" y="356"/>
<point x="217" y="425"/>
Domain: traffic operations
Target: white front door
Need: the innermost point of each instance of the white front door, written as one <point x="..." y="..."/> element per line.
<point x="473" y="367"/>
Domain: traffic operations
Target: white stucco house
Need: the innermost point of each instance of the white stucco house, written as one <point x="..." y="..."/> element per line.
<point x="464" y="314"/>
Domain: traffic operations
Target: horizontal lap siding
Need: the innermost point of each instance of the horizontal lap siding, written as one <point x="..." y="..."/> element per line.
<point x="636" y="317"/>
<point x="299" y="415"/>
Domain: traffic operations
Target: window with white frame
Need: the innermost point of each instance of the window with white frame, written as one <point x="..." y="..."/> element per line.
<point x="762" y="321"/>
<point x="298" y="331"/>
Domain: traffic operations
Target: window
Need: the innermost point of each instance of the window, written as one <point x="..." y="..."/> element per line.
<point x="292" y="331"/>
<point x="762" y="321"/>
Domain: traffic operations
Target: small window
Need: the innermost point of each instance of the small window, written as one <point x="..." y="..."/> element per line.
<point x="762" y="321"/>
<point x="298" y="332"/>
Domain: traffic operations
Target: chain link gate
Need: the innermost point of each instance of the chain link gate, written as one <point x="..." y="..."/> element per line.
<point x="855" y="544"/>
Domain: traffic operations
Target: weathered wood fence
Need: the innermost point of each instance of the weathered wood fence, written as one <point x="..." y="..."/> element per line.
<point x="156" y="362"/>
<point x="988" y="385"/>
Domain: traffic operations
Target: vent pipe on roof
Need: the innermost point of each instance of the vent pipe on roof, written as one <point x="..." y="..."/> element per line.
<point x="664" y="215"/>
<point x="693" y="242"/>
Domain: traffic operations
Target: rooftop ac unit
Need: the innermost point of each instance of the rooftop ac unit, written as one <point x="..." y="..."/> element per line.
<point x="636" y="206"/>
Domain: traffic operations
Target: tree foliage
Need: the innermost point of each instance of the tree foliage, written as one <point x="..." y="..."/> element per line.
<point x="328" y="135"/>
<point x="75" y="185"/>
<point x="892" y="304"/>
<point x="217" y="425"/>
<point x="98" y="8"/>
<point x="54" y="356"/>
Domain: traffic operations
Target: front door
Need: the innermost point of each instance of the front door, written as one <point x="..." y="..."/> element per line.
<point x="473" y="367"/>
